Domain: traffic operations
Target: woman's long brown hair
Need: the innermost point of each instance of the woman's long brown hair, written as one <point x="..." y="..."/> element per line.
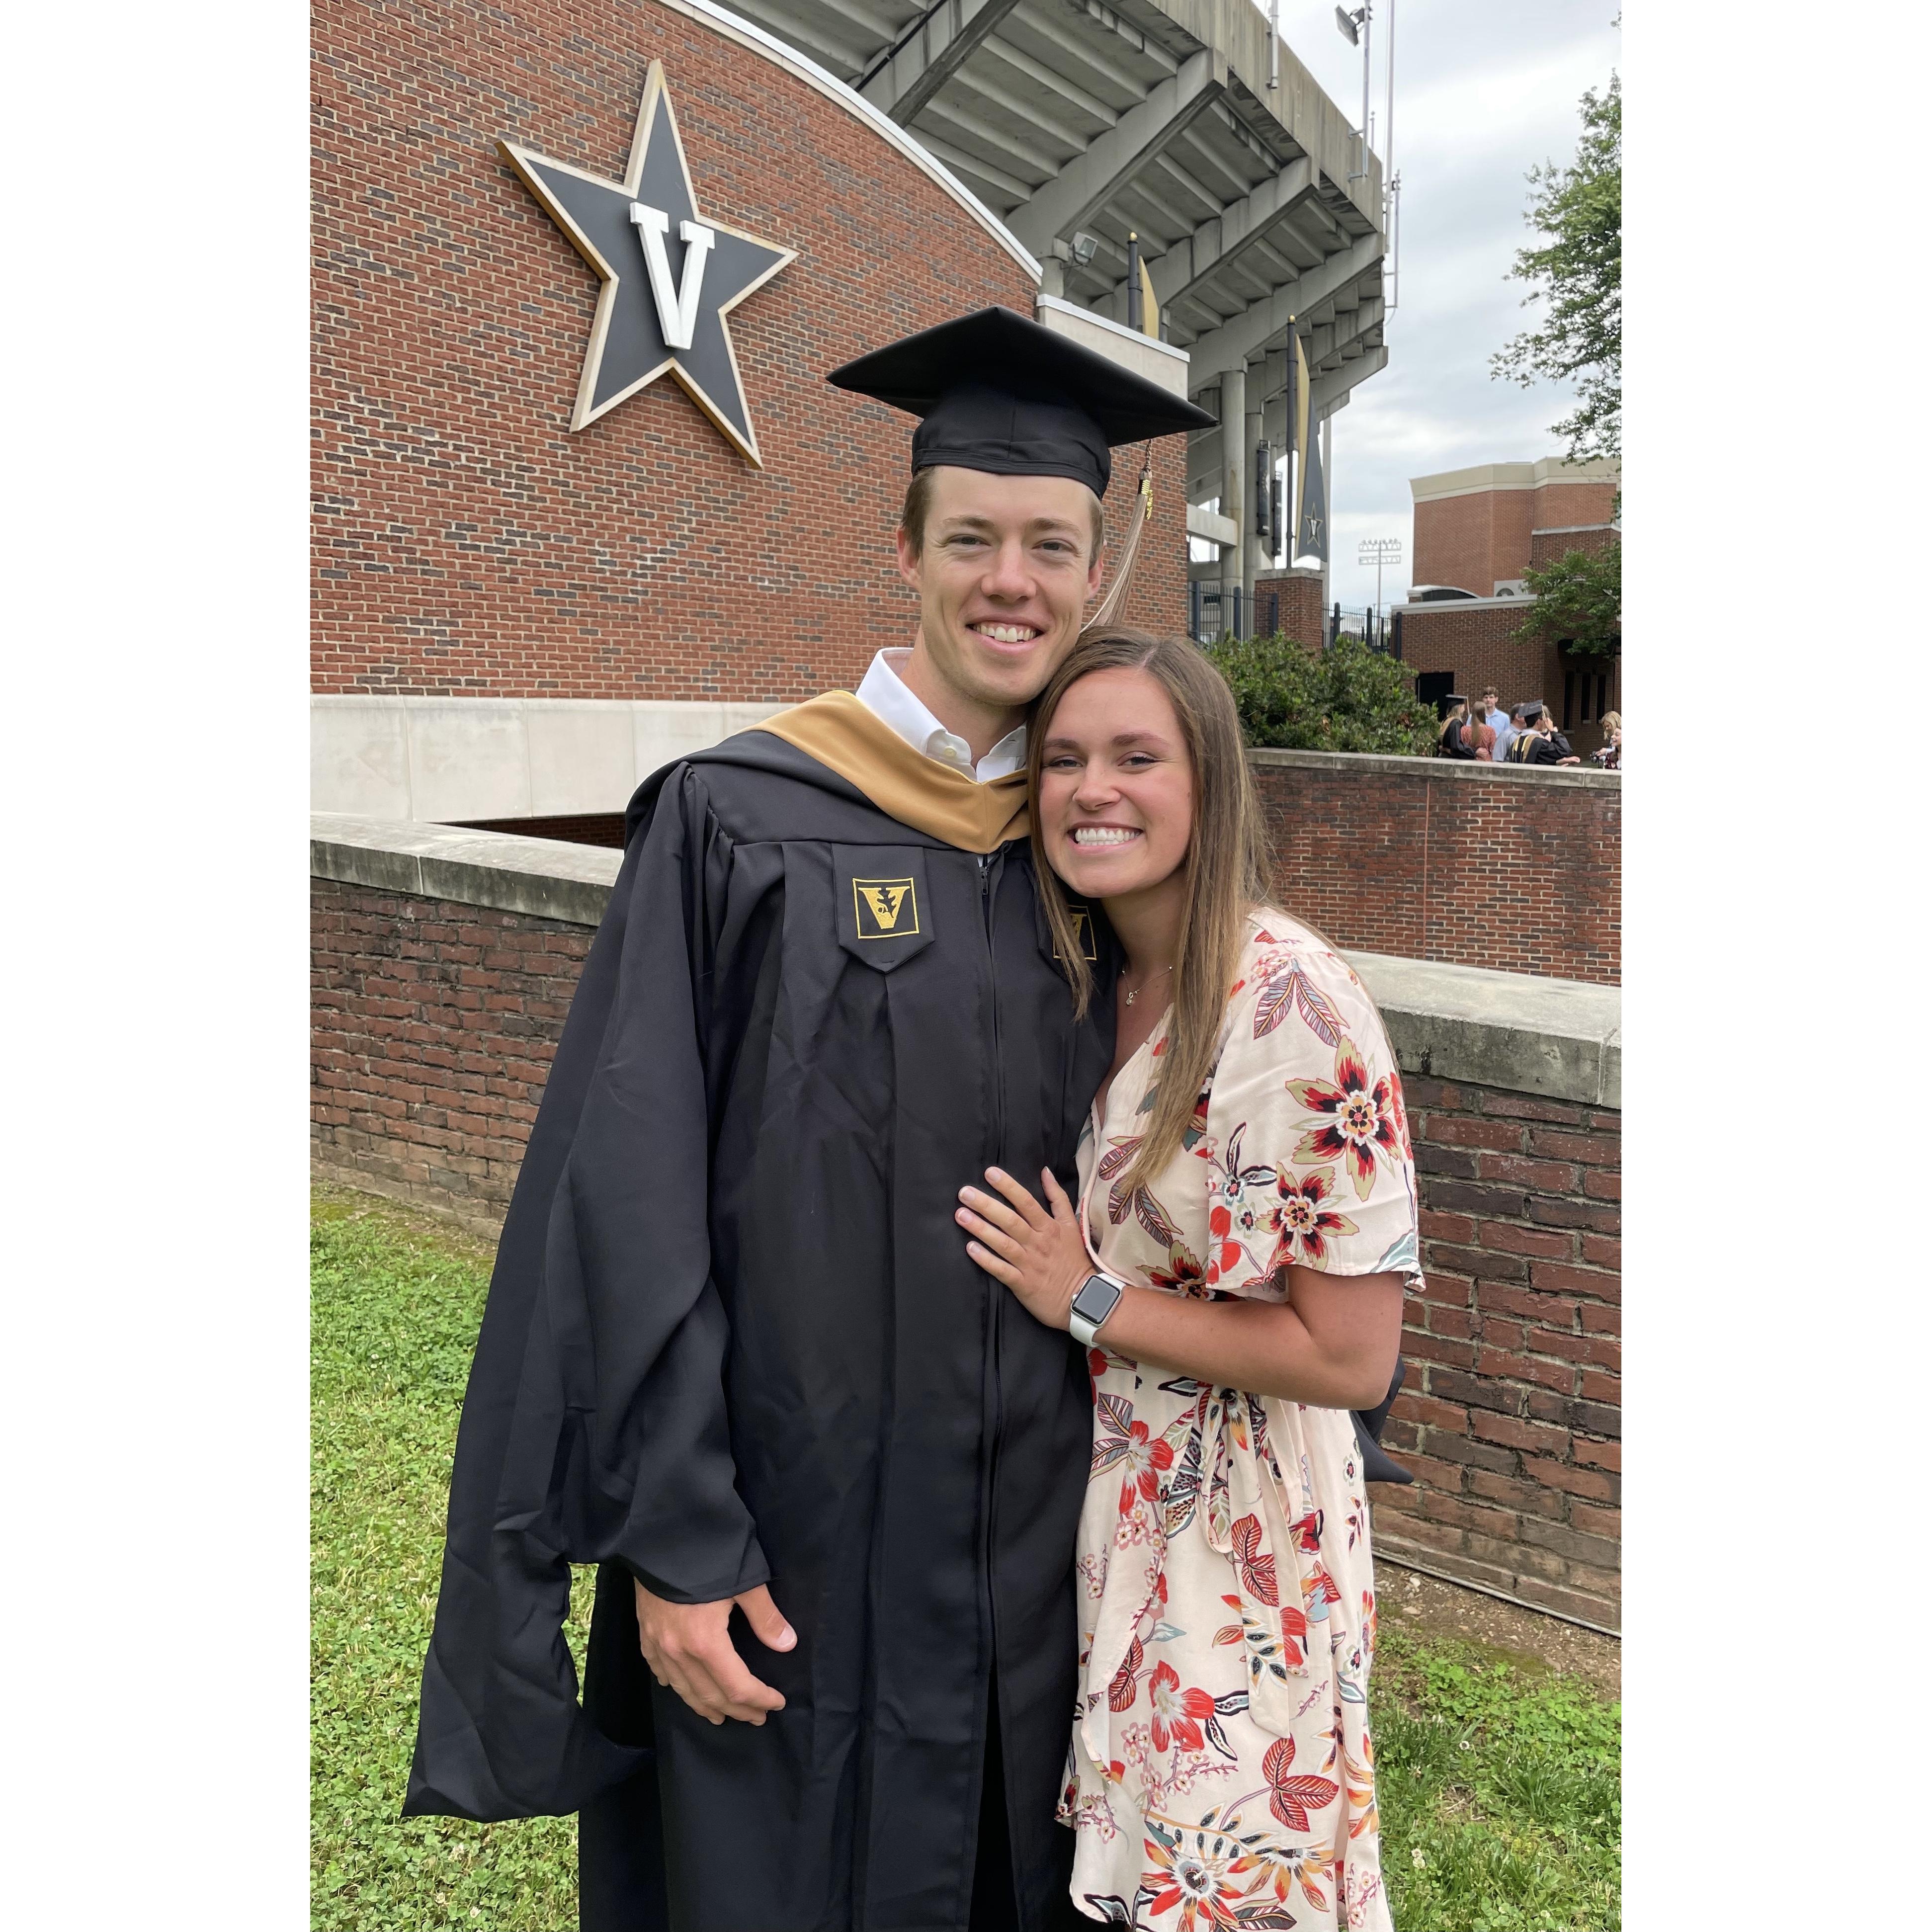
<point x="1227" y="866"/>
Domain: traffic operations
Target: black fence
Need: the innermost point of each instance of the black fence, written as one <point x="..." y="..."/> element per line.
<point x="1221" y="608"/>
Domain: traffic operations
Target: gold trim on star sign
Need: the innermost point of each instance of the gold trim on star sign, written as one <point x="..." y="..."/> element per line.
<point x="903" y="783"/>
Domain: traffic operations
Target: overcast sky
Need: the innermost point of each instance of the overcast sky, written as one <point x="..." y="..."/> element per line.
<point x="1485" y="89"/>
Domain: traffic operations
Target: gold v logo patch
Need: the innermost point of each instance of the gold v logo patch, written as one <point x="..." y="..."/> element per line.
<point x="886" y="908"/>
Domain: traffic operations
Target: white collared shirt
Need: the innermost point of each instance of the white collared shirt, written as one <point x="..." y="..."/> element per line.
<point x="886" y="696"/>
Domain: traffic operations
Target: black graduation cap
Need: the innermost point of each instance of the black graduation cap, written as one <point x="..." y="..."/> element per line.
<point x="999" y="393"/>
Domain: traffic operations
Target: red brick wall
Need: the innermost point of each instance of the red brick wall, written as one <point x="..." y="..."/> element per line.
<point x="1452" y="862"/>
<point x="433" y="1027"/>
<point x="466" y="542"/>
<point x="1483" y="538"/>
<point x="1468" y="540"/>
<point x="1290" y="602"/>
<point x="1475" y="645"/>
<point x="1511" y="1417"/>
<point x="1546" y="546"/>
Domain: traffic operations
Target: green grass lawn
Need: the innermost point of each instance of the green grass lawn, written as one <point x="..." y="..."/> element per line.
<point x="1498" y="1783"/>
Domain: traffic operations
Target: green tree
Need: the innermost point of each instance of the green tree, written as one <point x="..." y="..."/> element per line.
<point x="1348" y="698"/>
<point x="1579" y="601"/>
<point x="1578" y="274"/>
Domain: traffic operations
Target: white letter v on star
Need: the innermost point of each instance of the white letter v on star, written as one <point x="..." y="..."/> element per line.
<point x="677" y="311"/>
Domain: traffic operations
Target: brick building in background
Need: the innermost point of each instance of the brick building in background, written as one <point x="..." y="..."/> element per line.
<point x="1475" y="529"/>
<point x="1476" y="532"/>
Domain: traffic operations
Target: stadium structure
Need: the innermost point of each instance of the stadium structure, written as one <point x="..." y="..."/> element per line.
<point x="1182" y="123"/>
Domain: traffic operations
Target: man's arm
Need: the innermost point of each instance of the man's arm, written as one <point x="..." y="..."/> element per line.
<point x="593" y="1428"/>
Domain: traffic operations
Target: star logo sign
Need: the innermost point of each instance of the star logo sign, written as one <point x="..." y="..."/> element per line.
<point x="669" y="276"/>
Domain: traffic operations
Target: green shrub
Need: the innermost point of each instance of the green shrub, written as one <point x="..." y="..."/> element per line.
<point x="1348" y="698"/>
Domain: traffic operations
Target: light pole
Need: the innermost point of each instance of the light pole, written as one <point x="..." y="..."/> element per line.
<point x="1354" y="28"/>
<point x="1378" y="551"/>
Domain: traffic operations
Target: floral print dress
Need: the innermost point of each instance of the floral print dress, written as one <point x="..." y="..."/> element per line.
<point x="1222" y="1773"/>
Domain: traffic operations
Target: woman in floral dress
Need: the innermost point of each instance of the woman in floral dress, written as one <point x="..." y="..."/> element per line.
<point x="1246" y="1182"/>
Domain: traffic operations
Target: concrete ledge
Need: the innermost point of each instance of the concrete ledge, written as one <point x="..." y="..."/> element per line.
<point x="547" y="878"/>
<point x="1559" y="1038"/>
<point x="1457" y="771"/>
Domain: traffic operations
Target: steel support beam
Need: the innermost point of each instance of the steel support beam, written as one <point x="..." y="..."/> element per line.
<point x="1249" y="333"/>
<point x="1085" y="186"/>
<point x="1184" y="268"/>
<point x="1328" y="394"/>
<point x="930" y="53"/>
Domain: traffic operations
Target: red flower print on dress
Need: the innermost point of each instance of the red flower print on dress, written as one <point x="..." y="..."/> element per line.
<point x="1290" y="1799"/>
<point x="1185" y="1879"/>
<point x="1124" y="1688"/>
<point x="1119" y="1439"/>
<point x="1364" y="1124"/>
<point x="1304" y="1219"/>
<point x="1257" y="1571"/>
<point x="1233" y="1217"/>
<point x="1182" y="1275"/>
<point x="1178" y="1713"/>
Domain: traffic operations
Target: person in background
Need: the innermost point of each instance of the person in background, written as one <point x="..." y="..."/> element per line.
<point x="1608" y="756"/>
<point x="1479" y="737"/>
<point x="1449" y="741"/>
<point x="1494" y="715"/>
<point x="1507" y="734"/>
<point x="1541" y="743"/>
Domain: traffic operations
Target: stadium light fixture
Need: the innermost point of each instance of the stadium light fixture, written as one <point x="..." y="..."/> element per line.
<point x="1354" y="28"/>
<point x="1379" y="551"/>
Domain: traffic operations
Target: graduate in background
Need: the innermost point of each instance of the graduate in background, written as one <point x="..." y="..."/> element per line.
<point x="734" y="1354"/>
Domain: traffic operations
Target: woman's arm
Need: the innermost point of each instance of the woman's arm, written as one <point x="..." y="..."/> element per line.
<point x="1332" y="1344"/>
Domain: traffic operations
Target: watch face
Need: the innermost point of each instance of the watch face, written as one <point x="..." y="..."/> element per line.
<point x="1096" y="1298"/>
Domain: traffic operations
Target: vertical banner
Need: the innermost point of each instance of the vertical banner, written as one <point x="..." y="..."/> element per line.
<point x="1311" y="529"/>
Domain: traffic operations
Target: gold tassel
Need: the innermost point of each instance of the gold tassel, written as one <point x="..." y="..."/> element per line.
<point x="1108" y="610"/>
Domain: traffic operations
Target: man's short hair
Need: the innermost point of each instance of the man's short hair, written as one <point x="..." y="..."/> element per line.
<point x="1489" y="691"/>
<point x="918" y="506"/>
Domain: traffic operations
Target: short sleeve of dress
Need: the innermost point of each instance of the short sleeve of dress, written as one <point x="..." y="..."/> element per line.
<point x="1307" y="1137"/>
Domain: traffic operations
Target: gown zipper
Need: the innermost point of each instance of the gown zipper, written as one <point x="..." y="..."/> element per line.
<point x="995" y="1313"/>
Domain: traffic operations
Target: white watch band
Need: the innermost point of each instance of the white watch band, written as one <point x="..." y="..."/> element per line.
<point x="1083" y="1328"/>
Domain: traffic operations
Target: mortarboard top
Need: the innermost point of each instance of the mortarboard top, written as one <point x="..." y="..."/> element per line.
<point x="999" y="393"/>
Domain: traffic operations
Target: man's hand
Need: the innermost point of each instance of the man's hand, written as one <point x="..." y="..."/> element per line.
<point x="689" y="1649"/>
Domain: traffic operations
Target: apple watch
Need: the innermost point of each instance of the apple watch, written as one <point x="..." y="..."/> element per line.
<point x="1095" y="1302"/>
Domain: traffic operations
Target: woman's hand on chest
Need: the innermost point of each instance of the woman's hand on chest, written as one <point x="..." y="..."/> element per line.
<point x="1036" y="1251"/>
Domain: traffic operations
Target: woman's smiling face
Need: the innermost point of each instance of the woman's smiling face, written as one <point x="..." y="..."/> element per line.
<point x="1116" y="788"/>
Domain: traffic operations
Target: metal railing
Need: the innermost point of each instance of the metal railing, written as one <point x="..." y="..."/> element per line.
<point x="1221" y="607"/>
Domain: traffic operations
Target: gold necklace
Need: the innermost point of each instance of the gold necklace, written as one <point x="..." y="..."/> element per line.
<point x="1142" y="987"/>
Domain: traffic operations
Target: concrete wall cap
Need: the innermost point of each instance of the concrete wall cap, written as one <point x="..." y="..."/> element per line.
<point x="1545" y="470"/>
<point x="1458" y="771"/>
<point x="547" y="878"/>
<point x="1559" y="1038"/>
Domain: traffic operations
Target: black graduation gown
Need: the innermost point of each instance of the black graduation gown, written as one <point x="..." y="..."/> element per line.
<point x="733" y="1336"/>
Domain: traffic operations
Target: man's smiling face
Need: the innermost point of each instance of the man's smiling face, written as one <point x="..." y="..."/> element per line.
<point x="1004" y="574"/>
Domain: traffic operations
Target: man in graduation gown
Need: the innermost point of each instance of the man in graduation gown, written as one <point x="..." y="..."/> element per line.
<point x="734" y="1352"/>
